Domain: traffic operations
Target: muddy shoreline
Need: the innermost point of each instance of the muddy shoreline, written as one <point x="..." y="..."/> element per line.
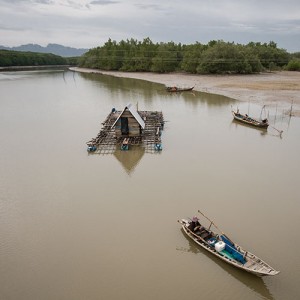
<point x="271" y="89"/>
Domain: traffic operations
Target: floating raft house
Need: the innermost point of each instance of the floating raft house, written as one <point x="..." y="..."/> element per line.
<point x="129" y="127"/>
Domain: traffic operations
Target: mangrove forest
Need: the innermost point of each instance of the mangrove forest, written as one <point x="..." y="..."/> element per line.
<point x="216" y="57"/>
<point x="10" y="58"/>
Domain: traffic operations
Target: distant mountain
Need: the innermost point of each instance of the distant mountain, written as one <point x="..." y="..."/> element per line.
<point x="50" y="48"/>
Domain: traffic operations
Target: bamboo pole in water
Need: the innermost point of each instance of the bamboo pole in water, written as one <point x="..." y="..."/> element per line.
<point x="291" y="108"/>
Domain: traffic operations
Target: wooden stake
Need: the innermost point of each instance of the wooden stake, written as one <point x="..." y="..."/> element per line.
<point x="291" y="108"/>
<point x="212" y="222"/>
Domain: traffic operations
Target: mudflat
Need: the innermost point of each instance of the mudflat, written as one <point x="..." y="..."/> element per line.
<point x="280" y="88"/>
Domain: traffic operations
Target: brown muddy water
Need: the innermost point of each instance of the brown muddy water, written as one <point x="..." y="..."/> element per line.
<point x="80" y="226"/>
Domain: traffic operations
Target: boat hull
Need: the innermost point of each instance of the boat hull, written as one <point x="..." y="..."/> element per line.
<point x="178" y="90"/>
<point x="249" y="121"/>
<point x="252" y="265"/>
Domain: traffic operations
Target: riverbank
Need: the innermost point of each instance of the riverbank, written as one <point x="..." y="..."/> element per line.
<point x="33" y="68"/>
<point x="276" y="88"/>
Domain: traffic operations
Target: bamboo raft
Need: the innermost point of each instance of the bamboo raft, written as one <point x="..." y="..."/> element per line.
<point x="106" y="141"/>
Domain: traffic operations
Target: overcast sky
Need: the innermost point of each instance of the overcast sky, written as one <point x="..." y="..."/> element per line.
<point x="90" y="23"/>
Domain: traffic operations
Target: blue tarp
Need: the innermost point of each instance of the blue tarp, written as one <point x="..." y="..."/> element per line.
<point x="227" y="241"/>
<point x="229" y="247"/>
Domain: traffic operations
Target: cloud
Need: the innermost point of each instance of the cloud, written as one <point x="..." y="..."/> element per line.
<point x="103" y="2"/>
<point x="11" y="28"/>
<point x="44" y="1"/>
<point x="28" y="2"/>
<point x="89" y="23"/>
<point x="152" y="6"/>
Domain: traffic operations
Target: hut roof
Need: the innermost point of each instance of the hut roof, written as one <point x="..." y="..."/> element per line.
<point x="134" y="113"/>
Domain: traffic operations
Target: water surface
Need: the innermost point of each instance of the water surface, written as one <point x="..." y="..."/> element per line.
<point x="80" y="226"/>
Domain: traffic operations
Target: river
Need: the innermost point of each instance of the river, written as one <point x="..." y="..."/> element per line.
<point x="80" y="226"/>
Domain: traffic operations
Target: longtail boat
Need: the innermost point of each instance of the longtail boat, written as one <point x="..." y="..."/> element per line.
<point x="220" y="245"/>
<point x="250" y="121"/>
<point x="175" y="89"/>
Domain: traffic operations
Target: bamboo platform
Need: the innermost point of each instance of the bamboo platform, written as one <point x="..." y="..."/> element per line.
<point x="107" y="142"/>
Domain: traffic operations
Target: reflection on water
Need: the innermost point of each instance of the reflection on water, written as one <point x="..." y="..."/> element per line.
<point x="133" y="88"/>
<point x="126" y="87"/>
<point x="21" y="75"/>
<point x="261" y="131"/>
<point x="253" y="282"/>
<point x="130" y="159"/>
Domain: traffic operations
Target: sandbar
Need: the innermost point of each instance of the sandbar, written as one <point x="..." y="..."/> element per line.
<point x="280" y="88"/>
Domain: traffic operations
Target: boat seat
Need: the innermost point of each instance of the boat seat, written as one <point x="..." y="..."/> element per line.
<point x="249" y="263"/>
<point x="205" y="234"/>
<point x="211" y="241"/>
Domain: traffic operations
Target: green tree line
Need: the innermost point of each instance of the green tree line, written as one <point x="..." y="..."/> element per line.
<point x="216" y="57"/>
<point x="19" y="58"/>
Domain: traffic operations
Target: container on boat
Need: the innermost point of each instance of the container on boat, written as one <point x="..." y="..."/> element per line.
<point x="219" y="246"/>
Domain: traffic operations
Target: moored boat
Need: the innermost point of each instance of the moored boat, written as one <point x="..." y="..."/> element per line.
<point x="176" y="89"/>
<point x="250" y="121"/>
<point x="224" y="248"/>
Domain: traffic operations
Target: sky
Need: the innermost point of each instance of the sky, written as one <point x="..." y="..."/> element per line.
<point x="90" y="23"/>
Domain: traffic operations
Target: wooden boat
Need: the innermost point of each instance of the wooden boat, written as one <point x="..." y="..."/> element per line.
<point x="224" y="248"/>
<point x="175" y="89"/>
<point x="250" y="121"/>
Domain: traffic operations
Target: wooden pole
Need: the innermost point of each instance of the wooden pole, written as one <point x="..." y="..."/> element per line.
<point x="291" y="108"/>
<point x="263" y="108"/>
<point x="212" y="222"/>
<point x="279" y="131"/>
<point x="216" y="226"/>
